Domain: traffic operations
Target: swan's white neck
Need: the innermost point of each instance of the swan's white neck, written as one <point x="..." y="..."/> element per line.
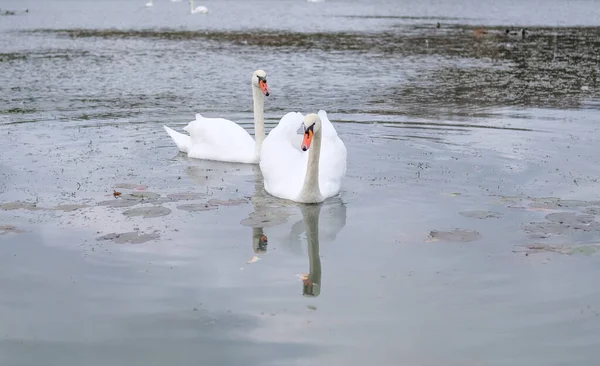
<point x="310" y="192"/>
<point x="259" y="119"/>
<point x="191" y="6"/>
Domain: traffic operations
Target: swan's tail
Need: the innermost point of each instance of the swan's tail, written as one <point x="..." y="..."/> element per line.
<point x="183" y="142"/>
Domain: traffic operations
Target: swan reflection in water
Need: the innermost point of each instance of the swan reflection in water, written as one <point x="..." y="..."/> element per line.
<point x="259" y="240"/>
<point x="320" y="222"/>
<point x="311" y="282"/>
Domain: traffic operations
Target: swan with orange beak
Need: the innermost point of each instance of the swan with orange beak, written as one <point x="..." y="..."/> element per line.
<point x="290" y="172"/>
<point x="309" y="133"/>
<point x="220" y="139"/>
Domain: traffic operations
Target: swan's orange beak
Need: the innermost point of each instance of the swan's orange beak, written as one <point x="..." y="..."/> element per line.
<point x="308" y="135"/>
<point x="264" y="87"/>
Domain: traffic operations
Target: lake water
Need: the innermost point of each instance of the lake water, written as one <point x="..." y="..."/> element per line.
<point x="466" y="231"/>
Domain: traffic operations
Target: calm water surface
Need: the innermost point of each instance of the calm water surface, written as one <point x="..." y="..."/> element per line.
<point x="466" y="232"/>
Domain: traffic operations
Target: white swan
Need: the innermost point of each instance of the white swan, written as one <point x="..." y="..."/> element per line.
<point x="149" y="3"/>
<point x="290" y="172"/>
<point x="198" y="10"/>
<point x="223" y="140"/>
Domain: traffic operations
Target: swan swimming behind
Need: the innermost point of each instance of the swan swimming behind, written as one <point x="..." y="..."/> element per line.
<point x="198" y="10"/>
<point x="220" y="139"/>
<point x="149" y="3"/>
<point x="290" y="172"/>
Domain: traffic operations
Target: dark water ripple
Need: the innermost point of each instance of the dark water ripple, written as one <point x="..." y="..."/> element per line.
<point x="463" y="69"/>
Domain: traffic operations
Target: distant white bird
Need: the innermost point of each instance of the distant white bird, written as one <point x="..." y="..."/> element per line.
<point x="199" y="10"/>
<point x="316" y="1"/>
<point x="149" y="3"/>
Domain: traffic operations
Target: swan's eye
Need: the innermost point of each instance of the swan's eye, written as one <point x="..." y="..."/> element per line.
<point x="262" y="83"/>
<point x="309" y="130"/>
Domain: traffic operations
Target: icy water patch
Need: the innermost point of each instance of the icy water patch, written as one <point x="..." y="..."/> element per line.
<point x="134" y="237"/>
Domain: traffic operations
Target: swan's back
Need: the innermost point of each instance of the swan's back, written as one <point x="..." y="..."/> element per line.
<point x="332" y="164"/>
<point x="220" y="139"/>
<point x="283" y="165"/>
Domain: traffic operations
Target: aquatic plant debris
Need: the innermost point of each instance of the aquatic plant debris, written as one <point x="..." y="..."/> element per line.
<point x="544" y="228"/>
<point x="138" y="187"/>
<point x="125" y="185"/>
<point x="230" y="202"/>
<point x="212" y="204"/>
<point x="588" y="249"/>
<point x="6" y="229"/>
<point x="570" y="218"/>
<point x="481" y="214"/>
<point x="196" y="207"/>
<point x="456" y="235"/>
<point x="572" y="203"/>
<point x="557" y="204"/>
<point x="142" y="196"/>
<point x="509" y="199"/>
<point x="119" y="203"/>
<point x="69" y="207"/>
<point x="545" y="203"/>
<point x="185" y="196"/>
<point x="20" y="206"/>
<point x="132" y="237"/>
<point x="561" y="222"/>
<point x="592" y="210"/>
<point x="148" y="212"/>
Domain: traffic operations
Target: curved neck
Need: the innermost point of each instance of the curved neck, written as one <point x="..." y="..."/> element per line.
<point x="259" y="118"/>
<point x="191" y="5"/>
<point x="310" y="190"/>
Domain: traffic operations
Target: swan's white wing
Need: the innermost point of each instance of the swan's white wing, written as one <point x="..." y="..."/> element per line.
<point x="288" y="126"/>
<point x="220" y="139"/>
<point x="284" y="165"/>
<point x="332" y="163"/>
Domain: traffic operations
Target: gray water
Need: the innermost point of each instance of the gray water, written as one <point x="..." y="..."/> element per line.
<point x="466" y="231"/>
